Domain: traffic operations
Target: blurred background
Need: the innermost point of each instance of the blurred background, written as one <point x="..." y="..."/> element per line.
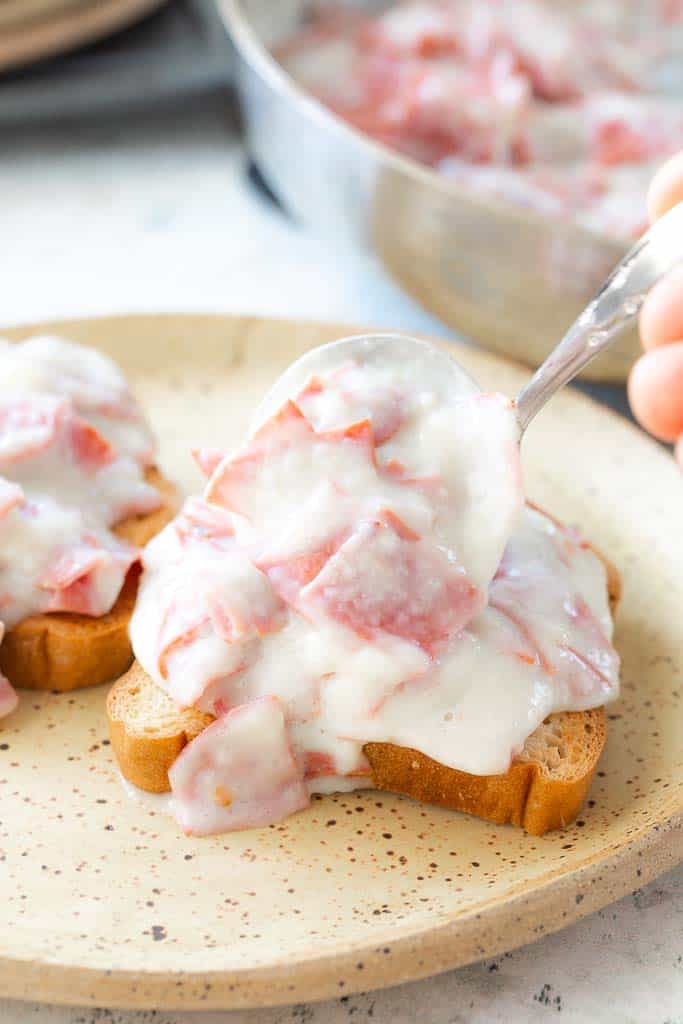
<point x="125" y="186"/>
<point x="130" y="181"/>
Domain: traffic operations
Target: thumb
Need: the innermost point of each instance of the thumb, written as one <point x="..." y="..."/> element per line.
<point x="666" y="188"/>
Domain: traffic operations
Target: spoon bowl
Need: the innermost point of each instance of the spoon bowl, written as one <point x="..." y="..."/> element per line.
<point x="408" y="357"/>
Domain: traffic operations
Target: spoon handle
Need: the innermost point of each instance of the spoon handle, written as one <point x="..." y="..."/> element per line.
<point x="614" y="308"/>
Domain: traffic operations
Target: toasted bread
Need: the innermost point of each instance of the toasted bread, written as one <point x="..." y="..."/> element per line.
<point x="148" y="729"/>
<point x="542" y="790"/>
<point x="63" y="651"/>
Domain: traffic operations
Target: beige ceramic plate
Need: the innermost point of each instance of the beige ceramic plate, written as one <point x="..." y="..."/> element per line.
<point x="105" y="902"/>
<point x="62" y="26"/>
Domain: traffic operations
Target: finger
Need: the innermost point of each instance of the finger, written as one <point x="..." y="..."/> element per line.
<point x="655" y="390"/>
<point x="666" y="188"/>
<point x="661" y="318"/>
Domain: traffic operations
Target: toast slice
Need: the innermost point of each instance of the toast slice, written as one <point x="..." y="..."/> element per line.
<point x="148" y="729"/>
<point x="543" y="789"/>
<point x="63" y="651"/>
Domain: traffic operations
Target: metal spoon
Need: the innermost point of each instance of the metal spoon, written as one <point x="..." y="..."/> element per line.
<point x="615" y="307"/>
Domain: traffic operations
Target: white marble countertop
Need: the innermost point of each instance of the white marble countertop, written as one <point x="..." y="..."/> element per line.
<point x="158" y="214"/>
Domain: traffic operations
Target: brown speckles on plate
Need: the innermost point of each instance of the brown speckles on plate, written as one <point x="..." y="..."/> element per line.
<point x="140" y="915"/>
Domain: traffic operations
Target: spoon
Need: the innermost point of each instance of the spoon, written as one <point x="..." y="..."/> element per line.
<point x="614" y="308"/>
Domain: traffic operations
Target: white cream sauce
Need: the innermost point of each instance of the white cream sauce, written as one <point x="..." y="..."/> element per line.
<point x="73" y="449"/>
<point x="362" y="569"/>
<point x="98" y="390"/>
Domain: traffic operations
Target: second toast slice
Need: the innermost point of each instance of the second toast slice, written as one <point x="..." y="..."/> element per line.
<point x="64" y="651"/>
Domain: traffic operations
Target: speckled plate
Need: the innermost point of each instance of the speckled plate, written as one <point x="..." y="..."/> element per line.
<point x="106" y="902"/>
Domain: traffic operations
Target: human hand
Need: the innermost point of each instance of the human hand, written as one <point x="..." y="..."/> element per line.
<point x="655" y="387"/>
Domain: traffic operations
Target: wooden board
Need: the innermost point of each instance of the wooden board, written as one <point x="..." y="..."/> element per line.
<point x="182" y="51"/>
<point x="105" y="902"/>
<point x="58" y="28"/>
<point x="14" y="13"/>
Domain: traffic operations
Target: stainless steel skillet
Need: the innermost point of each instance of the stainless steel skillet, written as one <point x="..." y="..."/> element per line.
<point x="509" y="278"/>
